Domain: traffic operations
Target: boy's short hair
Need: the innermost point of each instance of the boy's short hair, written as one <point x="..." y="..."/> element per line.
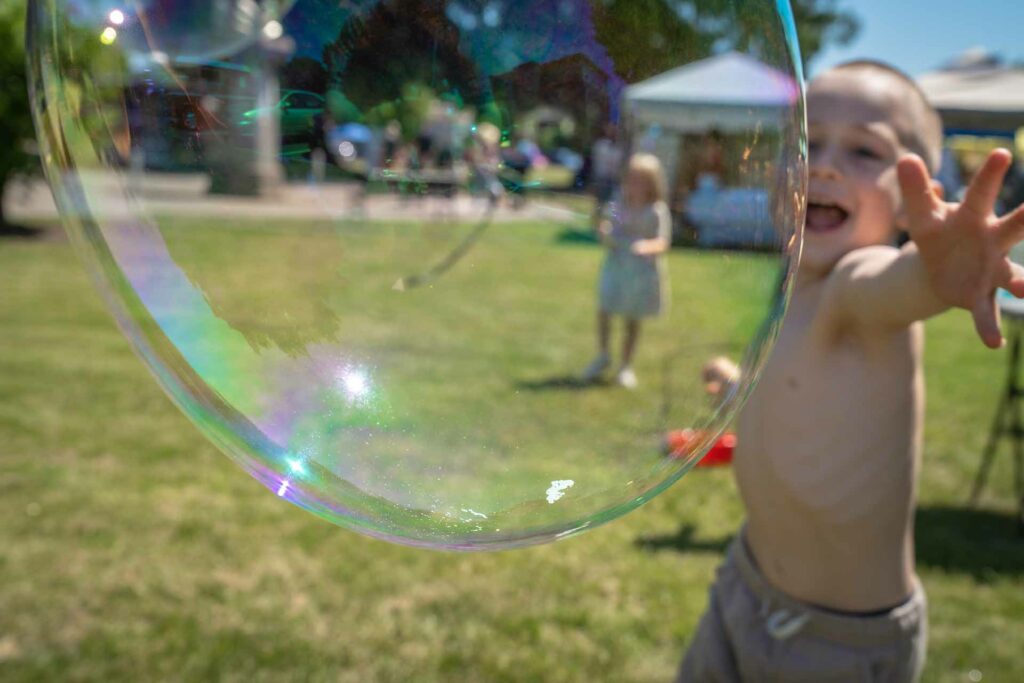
<point x="925" y="140"/>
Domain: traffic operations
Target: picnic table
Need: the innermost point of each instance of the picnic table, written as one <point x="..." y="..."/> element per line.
<point x="442" y="181"/>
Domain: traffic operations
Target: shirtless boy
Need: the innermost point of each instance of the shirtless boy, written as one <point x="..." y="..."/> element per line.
<point x="820" y="584"/>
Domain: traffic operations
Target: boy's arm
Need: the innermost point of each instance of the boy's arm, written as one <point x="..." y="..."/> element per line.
<point x="881" y="287"/>
<point x="956" y="257"/>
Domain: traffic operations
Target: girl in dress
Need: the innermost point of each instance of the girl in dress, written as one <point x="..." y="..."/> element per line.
<point x="636" y="233"/>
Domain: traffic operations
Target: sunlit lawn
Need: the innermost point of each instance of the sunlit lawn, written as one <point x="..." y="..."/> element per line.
<point x="132" y="550"/>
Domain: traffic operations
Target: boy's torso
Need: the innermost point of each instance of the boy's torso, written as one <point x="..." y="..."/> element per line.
<point x="827" y="461"/>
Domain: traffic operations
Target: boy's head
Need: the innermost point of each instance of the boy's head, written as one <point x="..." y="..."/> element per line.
<point x="862" y="117"/>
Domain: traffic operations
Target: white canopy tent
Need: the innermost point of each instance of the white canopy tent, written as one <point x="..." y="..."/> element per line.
<point x="983" y="99"/>
<point x="731" y="92"/>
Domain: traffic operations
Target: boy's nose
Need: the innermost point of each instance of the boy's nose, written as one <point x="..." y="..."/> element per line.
<point x="822" y="164"/>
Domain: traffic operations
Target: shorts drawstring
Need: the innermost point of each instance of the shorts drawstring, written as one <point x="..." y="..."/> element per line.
<point x="783" y="624"/>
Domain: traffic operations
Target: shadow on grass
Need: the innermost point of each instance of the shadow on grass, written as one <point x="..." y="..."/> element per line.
<point x="20" y="231"/>
<point x="574" y="235"/>
<point x="561" y="383"/>
<point x="982" y="543"/>
<point x="684" y="541"/>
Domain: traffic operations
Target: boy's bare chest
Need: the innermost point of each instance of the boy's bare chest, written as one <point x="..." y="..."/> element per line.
<point x="830" y="422"/>
<point x="805" y="390"/>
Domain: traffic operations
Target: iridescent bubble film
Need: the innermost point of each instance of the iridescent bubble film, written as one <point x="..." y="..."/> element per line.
<point x="363" y="244"/>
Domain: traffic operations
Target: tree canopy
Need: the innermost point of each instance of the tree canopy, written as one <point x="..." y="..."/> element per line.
<point x="646" y="37"/>
<point x="15" y="119"/>
<point x="395" y="42"/>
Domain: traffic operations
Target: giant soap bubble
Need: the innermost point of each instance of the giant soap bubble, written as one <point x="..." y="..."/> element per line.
<point x="185" y="31"/>
<point x="356" y="243"/>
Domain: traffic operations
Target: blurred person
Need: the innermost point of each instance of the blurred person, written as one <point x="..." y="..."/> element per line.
<point x="704" y="169"/>
<point x="605" y="164"/>
<point x="319" y="153"/>
<point x="950" y="174"/>
<point x="636" y="234"/>
<point x="701" y="170"/>
<point x="820" y="583"/>
<point x="517" y="159"/>
<point x="485" y="158"/>
<point x="392" y="144"/>
<point x="1013" y="194"/>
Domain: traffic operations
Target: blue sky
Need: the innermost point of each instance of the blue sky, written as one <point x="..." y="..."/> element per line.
<point x="919" y="35"/>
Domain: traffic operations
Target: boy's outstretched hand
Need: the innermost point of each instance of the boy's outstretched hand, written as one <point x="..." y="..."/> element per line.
<point x="964" y="246"/>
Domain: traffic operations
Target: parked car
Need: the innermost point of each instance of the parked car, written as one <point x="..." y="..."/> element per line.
<point x="296" y="111"/>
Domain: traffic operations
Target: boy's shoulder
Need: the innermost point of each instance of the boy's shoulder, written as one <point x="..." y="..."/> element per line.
<point x="837" y="304"/>
<point x="854" y="264"/>
<point x="851" y="262"/>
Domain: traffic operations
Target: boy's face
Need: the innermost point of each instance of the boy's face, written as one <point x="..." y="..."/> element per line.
<point x="855" y="121"/>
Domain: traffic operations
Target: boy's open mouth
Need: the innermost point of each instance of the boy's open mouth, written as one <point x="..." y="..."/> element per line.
<point x="825" y="216"/>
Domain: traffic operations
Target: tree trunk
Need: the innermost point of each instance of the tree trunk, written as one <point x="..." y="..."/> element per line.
<point x="3" y="215"/>
<point x="8" y="229"/>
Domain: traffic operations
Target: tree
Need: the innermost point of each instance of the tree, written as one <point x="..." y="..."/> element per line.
<point x="400" y="42"/>
<point x="304" y="73"/>
<point x="403" y="41"/>
<point x="819" y="23"/>
<point x="15" y="117"/>
<point x="646" y="37"/>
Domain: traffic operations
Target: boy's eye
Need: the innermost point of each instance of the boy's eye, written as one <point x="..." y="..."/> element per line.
<point x="863" y="152"/>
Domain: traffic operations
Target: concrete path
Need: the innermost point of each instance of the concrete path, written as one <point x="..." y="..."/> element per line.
<point x="188" y="195"/>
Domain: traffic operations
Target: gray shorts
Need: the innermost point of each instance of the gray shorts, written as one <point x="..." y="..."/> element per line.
<point x="752" y="632"/>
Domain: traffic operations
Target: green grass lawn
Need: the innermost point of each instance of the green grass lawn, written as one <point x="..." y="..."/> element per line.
<point x="133" y="550"/>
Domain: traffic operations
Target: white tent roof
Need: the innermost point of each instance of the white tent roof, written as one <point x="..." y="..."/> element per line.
<point x="984" y="98"/>
<point x="727" y="91"/>
<point x="729" y="79"/>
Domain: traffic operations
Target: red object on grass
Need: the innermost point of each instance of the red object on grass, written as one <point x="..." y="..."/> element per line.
<point x="677" y="442"/>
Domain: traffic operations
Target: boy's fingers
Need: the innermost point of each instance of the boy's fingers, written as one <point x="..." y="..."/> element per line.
<point x="919" y="199"/>
<point x="986" y="322"/>
<point x="1016" y="287"/>
<point x="1010" y="276"/>
<point x="988" y="182"/>
<point x="1010" y="229"/>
